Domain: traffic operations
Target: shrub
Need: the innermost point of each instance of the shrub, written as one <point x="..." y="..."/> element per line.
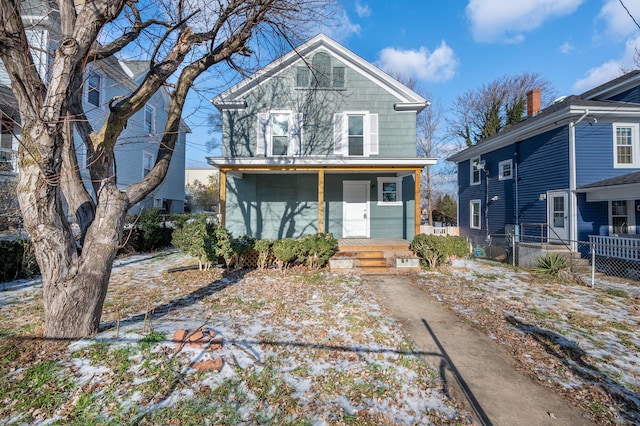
<point x="198" y="238"/>
<point x="435" y="250"/>
<point x="18" y="260"/>
<point x="241" y="246"/>
<point x="285" y="251"/>
<point x="550" y="264"/>
<point x="316" y="249"/>
<point x="224" y="247"/>
<point x="153" y="232"/>
<point x="263" y="247"/>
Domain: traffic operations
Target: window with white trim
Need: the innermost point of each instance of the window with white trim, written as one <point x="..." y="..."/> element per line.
<point x="505" y="170"/>
<point x="147" y="163"/>
<point x="355" y="134"/>
<point x="626" y="146"/>
<point x="94" y="88"/>
<point x="157" y="203"/>
<point x="475" y="219"/>
<point x="389" y="191"/>
<point x="149" y="119"/>
<point x="622" y="218"/>
<point x="279" y="134"/>
<point x="475" y="171"/>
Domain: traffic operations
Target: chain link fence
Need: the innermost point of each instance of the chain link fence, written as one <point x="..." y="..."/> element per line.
<point x="601" y="256"/>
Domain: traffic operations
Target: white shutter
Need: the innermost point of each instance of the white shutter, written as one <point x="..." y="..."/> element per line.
<point x="339" y="134"/>
<point x="373" y="134"/>
<point x="263" y="134"/>
<point x="295" y="134"/>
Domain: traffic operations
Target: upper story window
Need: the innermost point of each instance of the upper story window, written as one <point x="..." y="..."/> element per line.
<point x="505" y="170"/>
<point x="475" y="171"/>
<point x="355" y="134"/>
<point x="149" y="119"/>
<point x="626" y="148"/>
<point x="321" y="74"/>
<point x="279" y="133"/>
<point x="94" y="88"/>
<point x="389" y="191"/>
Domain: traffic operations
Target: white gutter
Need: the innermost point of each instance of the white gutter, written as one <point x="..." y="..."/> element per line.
<point x="326" y="162"/>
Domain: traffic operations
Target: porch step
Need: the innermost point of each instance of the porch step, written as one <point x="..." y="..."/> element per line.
<point x="374" y="258"/>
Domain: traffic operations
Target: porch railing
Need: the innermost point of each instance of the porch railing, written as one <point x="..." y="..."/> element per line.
<point x="625" y="248"/>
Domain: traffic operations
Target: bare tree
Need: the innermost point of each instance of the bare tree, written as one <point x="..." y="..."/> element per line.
<point x="183" y="39"/>
<point x="481" y="113"/>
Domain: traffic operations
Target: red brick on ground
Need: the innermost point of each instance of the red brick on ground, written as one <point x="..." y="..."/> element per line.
<point x="209" y="365"/>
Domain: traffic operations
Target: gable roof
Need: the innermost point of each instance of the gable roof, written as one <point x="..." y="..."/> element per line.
<point x="569" y="109"/>
<point x="409" y="100"/>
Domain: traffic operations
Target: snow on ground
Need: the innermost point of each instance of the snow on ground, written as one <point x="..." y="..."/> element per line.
<point x="301" y="346"/>
<point x="584" y="341"/>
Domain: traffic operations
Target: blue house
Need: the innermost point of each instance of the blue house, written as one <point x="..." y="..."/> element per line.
<point x="565" y="173"/>
<point x="320" y="141"/>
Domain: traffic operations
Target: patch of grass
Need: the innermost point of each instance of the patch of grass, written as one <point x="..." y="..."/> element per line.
<point x="43" y="386"/>
<point x="616" y="292"/>
<point x="151" y="339"/>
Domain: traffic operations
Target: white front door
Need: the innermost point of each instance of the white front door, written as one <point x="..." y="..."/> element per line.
<point x="558" y="216"/>
<point x="355" y="209"/>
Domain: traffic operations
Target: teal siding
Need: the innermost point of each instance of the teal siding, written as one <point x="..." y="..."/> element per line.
<point x="286" y="205"/>
<point x="396" y="130"/>
<point x="272" y="206"/>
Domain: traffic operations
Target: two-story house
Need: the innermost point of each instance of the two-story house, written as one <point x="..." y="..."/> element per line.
<point x="320" y="140"/>
<point x="565" y="173"/>
<point x="136" y="149"/>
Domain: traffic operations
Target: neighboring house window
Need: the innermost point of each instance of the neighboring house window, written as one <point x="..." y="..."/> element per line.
<point x="6" y="145"/>
<point x="389" y="191"/>
<point x="475" y="215"/>
<point x="279" y="133"/>
<point x="149" y="119"/>
<point x="147" y="163"/>
<point x="157" y="203"/>
<point x="622" y="217"/>
<point x="505" y="169"/>
<point x="355" y="134"/>
<point x="475" y="171"/>
<point x="94" y="88"/>
<point x="321" y="74"/>
<point x="626" y="145"/>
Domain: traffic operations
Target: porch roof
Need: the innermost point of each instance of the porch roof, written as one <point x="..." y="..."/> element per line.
<point x="616" y="188"/>
<point x="319" y="163"/>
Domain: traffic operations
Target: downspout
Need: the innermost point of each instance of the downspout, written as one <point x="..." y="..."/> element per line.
<point x="573" y="204"/>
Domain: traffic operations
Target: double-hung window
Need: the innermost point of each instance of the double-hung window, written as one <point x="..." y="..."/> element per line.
<point x="475" y="219"/>
<point x="505" y="170"/>
<point x="626" y="146"/>
<point x="355" y="134"/>
<point x="622" y="218"/>
<point x="279" y="133"/>
<point x="149" y="119"/>
<point x="94" y="88"/>
<point x="389" y="191"/>
<point x="475" y="171"/>
<point x="147" y="163"/>
<point x="321" y="73"/>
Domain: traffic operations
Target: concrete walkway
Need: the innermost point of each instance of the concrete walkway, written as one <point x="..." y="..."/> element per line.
<point x="473" y="367"/>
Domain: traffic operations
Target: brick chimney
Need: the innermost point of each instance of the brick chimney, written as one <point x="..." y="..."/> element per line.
<point x="533" y="102"/>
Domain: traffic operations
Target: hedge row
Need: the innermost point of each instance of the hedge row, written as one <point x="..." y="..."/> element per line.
<point x="18" y="260"/>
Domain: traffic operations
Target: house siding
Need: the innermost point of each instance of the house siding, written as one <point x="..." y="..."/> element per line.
<point x="632" y="95"/>
<point x="396" y="130"/>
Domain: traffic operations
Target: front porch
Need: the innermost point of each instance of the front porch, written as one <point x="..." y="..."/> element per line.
<point x="374" y="256"/>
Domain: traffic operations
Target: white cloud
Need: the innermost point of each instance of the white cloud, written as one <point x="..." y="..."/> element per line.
<point x="340" y="27"/>
<point x="439" y="65"/>
<point x="363" y="10"/>
<point x="609" y="70"/>
<point x="507" y="20"/>
<point x="566" y="48"/>
<point x="617" y="21"/>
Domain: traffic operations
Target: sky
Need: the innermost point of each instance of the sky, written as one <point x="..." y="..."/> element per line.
<point x="452" y="46"/>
